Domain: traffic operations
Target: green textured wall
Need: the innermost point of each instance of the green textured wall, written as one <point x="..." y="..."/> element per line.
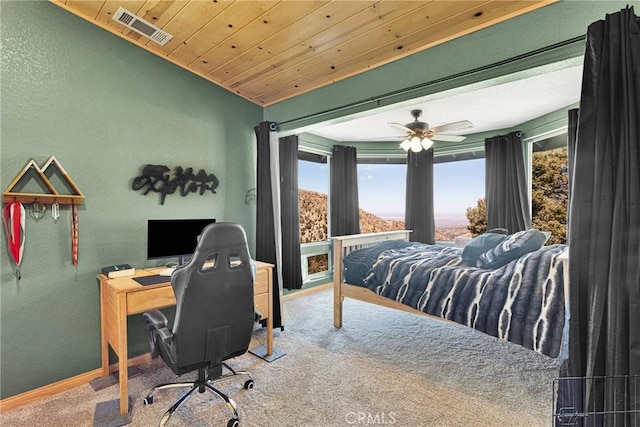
<point x="104" y="108"/>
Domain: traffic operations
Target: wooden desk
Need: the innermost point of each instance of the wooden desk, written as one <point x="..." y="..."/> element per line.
<point x="123" y="296"/>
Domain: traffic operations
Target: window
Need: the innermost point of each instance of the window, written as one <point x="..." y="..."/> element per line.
<point x="313" y="190"/>
<point x="381" y="195"/>
<point x="550" y="193"/>
<point x="382" y="191"/>
<point x="457" y="186"/>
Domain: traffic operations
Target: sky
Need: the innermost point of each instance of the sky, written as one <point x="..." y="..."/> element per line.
<point x="458" y="186"/>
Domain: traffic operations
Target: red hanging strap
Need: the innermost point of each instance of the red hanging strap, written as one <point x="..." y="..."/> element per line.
<point x="13" y="217"/>
<point x="74" y="235"/>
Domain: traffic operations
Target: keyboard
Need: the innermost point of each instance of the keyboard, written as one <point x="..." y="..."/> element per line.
<point x="152" y="280"/>
<point x="167" y="272"/>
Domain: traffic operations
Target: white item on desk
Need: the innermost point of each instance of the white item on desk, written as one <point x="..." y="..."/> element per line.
<point x="167" y="271"/>
<point x="120" y="270"/>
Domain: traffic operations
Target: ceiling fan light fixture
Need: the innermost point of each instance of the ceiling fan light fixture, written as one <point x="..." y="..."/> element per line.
<point x="426" y="143"/>
<point x="416" y="145"/>
<point x="419" y="135"/>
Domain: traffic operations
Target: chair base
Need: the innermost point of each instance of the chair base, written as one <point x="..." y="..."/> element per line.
<point x="202" y="384"/>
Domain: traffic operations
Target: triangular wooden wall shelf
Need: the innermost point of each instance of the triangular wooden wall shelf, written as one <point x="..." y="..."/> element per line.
<point x="47" y="198"/>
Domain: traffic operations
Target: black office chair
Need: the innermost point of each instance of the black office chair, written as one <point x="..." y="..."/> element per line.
<point x="214" y="315"/>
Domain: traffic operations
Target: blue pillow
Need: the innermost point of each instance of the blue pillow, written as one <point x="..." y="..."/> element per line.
<point x="479" y="245"/>
<point x="498" y="231"/>
<point x="513" y="247"/>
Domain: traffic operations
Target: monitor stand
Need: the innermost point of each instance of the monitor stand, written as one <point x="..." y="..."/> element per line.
<point x="184" y="260"/>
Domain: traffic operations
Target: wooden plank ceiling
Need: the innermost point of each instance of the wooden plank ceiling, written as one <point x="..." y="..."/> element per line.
<point x="268" y="51"/>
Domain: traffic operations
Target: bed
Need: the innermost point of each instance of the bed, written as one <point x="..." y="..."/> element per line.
<point x="520" y="298"/>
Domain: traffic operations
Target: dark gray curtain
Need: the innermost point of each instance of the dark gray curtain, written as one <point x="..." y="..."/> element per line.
<point x="418" y="214"/>
<point x="506" y="183"/>
<point x="266" y="249"/>
<point x="572" y="137"/>
<point x="604" y="231"/>
<point x="345" y="213"/>
<point x="291" y="265"/>
<point x="569" y="390"/>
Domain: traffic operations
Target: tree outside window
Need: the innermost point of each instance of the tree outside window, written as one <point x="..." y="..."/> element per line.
<point x="549" y="197"/>
<point x="550" y="194"/>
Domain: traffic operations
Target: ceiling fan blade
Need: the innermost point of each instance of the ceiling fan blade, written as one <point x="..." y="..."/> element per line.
<point x="401" y="127"/>
<point x="449" y="127"/>
<point x="389" y="138"/>
<point x="448" y="138"/>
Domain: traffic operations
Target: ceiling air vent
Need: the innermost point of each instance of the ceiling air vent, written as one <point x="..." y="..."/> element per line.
<point x="141" y="26"/>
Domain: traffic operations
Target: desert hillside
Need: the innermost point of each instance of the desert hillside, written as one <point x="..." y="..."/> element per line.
<point x="313" y="216"/>
<point x="313" y="220"/>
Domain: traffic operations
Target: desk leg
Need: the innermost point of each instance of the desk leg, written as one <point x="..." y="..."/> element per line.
<point x="104" y="343"/>
<point x="270" y="335"/>
<point x="270" y="318"/>
<point x="123" y="356"/>
<point x="124" y="387"/>
<point x="113" y="328"/>
<point x="267" y="352"/>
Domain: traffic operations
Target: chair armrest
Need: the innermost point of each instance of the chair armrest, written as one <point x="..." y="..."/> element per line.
<point x="157" y="325"/>
<point x="155" y="319"/>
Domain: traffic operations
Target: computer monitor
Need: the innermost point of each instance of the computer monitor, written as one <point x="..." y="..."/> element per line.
<point x="170" y="238"/>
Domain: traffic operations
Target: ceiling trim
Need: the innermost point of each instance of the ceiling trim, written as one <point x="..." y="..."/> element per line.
<point x="543" y="133"/>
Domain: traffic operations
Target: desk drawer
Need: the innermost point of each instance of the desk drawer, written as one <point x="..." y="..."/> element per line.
<point x="262" y="281"/>
<point x="139" y="302"/>
<point x="261" y="301"/>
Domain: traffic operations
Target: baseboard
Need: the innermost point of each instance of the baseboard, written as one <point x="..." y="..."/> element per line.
<point x="303" y="292"/>
<point x="63" y="385"/>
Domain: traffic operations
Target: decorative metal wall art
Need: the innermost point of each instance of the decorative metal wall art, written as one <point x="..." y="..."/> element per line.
<point x="157" y="178"/>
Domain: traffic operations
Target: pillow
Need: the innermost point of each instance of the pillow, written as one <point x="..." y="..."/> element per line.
<point x="479" y="245"/>
<point x="511" y="248"/>
<point x="499" y="231"/>
<point x="358" y="263"/>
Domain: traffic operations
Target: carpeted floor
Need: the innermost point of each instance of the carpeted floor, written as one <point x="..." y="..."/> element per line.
<point x="384" y="367"/>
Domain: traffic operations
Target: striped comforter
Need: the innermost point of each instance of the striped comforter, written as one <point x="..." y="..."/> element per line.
<point x="521" y="302"/>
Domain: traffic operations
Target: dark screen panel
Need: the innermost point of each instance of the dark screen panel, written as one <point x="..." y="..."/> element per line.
<point x="167" y="238"/>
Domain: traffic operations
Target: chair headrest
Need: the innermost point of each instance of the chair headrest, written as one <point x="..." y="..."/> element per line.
<point x="221" y="235"/>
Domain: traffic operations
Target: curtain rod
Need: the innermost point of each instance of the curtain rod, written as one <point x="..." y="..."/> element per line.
<point x="495" y="65"/>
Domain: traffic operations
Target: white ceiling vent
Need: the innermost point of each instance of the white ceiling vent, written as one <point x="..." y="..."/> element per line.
<point x="141" y="26"/>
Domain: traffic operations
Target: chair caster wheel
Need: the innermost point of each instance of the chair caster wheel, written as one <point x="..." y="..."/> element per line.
<point x="248" y="385"/>
<point x="148" y="400"/>
<point x="233" y="422"/>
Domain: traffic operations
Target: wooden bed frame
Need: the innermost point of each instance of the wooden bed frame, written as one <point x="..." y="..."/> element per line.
<point x="343" y="245"/>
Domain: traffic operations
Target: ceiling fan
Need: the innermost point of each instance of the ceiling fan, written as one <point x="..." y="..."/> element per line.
<point x="421" y="137"/>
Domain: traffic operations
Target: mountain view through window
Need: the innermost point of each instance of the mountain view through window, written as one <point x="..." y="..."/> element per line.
<point x="381" y="193"/>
